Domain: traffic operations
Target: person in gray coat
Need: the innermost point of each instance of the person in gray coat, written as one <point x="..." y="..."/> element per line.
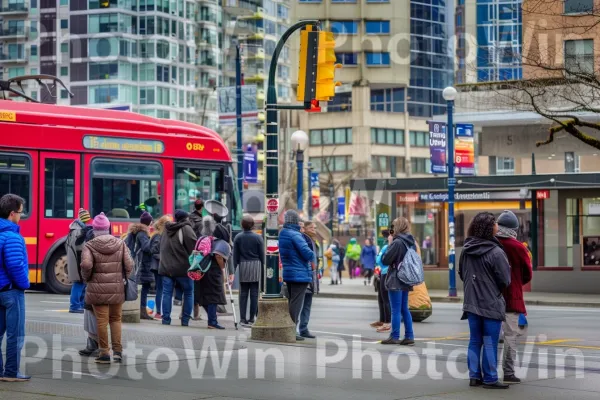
<point x="485" y="271"/>
<point x="248" y="257"/>
<point x="78" y="231"/>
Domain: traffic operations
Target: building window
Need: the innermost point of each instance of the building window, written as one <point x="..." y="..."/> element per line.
<point x="59" y="192"/>
<point x="579" y="56"/>
<point x="387" y="100"/>
<point x="579" y="6"/>
<point x="15" y="171"/>
<point x="420" y="165"/>
<point x="376" y="59"/>
<point x="377" y="27"/>
<point x="309" y="1"/>
<point x="346" y="58"/>
<point x="64" y="24"/>
<point x="331" y="164"/>
<point x="119" y="186"/>
<point x="64" y="47"/>
<point x="387" y="136"/>
<point x="378" y="1"/>
<point x="33" y="71"/>
<point x="100" y="71"/>
<point x="419" y="139"/>
<point x="341" y="102"/>
<point x="64" y="71"/>
<point x="320" y="137"/>
<point x="64" y="2"/>
<point x="344" y="27"/>
<point x="385" y="164"/>
<point x="64" y="94"/>
<point x="103" y="94"/>
<point x="14" y="72"/>
<point x="505" y="166"/>
<point x="343" y="1"/>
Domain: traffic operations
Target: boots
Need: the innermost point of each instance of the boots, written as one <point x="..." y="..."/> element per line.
<point x="91" y="350"/>
<point x="144" y="313"/>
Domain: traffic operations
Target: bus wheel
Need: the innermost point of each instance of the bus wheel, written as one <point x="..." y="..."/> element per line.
<point x="57" y="277"/>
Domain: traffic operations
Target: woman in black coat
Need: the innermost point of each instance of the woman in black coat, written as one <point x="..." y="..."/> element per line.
<point x="209" y="292"/>
<point x="138" y="239"/>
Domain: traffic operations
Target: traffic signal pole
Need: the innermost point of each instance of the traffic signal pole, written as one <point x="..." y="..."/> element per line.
<point x="238" y="119"/>
<point x="274" y="323"/>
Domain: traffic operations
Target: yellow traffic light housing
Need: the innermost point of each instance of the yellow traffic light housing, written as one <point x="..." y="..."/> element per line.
<point x="307" y="65"/>
<point x="326" y="66"/>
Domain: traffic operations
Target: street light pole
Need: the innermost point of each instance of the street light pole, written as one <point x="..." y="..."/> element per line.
<point x="309" y="192"/>
<point x="300" y="139"/>
<point x="449" y="95"/>
<point x="238" y="118"/>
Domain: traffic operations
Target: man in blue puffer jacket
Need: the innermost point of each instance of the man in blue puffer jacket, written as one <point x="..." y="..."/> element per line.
<point x="14" y="279"/>
<point x="295" y="257"/>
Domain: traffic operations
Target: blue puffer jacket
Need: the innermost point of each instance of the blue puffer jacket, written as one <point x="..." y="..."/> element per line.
<point x="14" y="266"/>
<point x="368" y="256"/>
<point x="384" y="268"/>
<point x="295" y="255"/>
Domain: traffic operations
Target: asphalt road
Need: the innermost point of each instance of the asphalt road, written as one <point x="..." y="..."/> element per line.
<point x="561" y="358"/>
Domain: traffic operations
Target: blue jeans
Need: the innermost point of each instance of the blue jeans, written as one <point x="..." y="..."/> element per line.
<point x="159" y="292"/>
<point x="167" y="300"/>
<point x="12" y="322"/>
<point x="484" y="334"/>
<point x="144" y="294"/>
<point x="211" y="310"/>
<point x="305" y="314"/>
<point x="400" y="311"/>
<point x="77" y="296"/>
<point x="178" y="293"/>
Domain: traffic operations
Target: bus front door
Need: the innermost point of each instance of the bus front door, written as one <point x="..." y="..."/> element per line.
<point x="59" y="202"/>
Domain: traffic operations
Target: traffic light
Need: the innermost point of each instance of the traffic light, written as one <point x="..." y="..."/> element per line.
<point x="307" y="64"/>
<point x="326" y="66"/>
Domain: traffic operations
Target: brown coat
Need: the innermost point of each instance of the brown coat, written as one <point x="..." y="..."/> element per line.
<point x="102" y="263"/>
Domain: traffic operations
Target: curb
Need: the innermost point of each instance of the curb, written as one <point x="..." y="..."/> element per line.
<point x="444" y="299"/>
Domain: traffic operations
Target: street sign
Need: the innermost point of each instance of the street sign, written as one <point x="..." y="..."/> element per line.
<point x="272" y="246"/>
<point x="383" y="220"/>
<point x="250" y="164"/>
<point x="227" y="104"/>
<point x="273" y="205"/>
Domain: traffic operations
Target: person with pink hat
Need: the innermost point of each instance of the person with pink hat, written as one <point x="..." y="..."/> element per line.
<point x="105" y="262"/>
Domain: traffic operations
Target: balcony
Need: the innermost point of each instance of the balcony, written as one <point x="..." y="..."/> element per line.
<point x="14" y="9"/>
<point x="240" y="8"/>
<point x="13" y="33"/>
<point x="13" y="59"/>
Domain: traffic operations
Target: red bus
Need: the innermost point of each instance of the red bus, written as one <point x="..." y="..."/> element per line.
<point x="61" y="158"/>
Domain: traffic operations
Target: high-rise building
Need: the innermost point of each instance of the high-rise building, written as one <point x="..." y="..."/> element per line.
<point x="141" y="53"/>
<point x="489" y="40"/>
<point x="396" y="62"/>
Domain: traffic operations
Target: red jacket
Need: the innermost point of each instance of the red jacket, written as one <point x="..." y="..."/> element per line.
<point x="520" y="273"/>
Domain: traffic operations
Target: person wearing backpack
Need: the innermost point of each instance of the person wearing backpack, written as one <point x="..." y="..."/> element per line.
<point x="138" y="238"/>
<point x="159" y="229"/>
<point x="74" y="245"/>
<point x="399" y="243"/>
<point x="176" y="245"/>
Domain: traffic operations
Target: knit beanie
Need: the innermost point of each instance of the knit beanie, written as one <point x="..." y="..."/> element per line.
<point x="101" y="223"/>
<point x="146" y="218"/>
<point x="508" y="219"/>
<point x="180" y="215"/>
<point x="291" y="217"/>
<point x="84" y="216"/>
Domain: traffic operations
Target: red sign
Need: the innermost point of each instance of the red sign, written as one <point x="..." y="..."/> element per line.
<point x="315" y="202"/>
<point x="272" y="246"/>
<point x="407" y="197"/>
<point x="543" y="194"/>
<point x="273" y="205"/>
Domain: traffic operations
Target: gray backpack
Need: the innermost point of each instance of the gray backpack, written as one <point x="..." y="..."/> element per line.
<point x="410" y="270"/>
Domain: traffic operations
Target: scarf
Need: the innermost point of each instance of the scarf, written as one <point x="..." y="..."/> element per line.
<point x="505" y="232"/>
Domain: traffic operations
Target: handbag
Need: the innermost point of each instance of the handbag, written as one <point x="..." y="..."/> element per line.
<point x="131" y="290"/>
<point x="392" y="283"/>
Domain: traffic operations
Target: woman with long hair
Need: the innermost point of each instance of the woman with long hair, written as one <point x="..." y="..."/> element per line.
<point x="159" y="229"/>
<point x="485" y="271"/>
<point x="399" y="241"/>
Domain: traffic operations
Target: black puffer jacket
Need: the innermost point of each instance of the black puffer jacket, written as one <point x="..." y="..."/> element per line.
<point x="485" y="271"/>
<point x="138" y="238"/>
<point x="175" y="249"/>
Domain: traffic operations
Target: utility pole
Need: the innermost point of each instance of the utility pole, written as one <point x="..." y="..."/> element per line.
<point x="238" y="118"/>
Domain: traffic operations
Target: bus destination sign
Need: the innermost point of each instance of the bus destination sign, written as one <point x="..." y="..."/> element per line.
<point x="122" y="144"/>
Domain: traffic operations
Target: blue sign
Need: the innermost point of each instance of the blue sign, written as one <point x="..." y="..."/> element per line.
<point x="341" y="209"/>
<point x="464" y="130"/>
<point x="250" y="165"/>
<point x="437" y="147"/>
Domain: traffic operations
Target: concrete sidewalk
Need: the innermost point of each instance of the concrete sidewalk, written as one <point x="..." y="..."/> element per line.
<point x="355" y="289"/>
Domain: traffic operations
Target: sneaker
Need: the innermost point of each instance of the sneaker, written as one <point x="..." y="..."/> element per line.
<point x="496" y="385"/>
<point x="391" y="341"/>
<point x="91" y="349"/>
<point x="475" y="382"/>
<point x="407" y="342"/>
<point x="157" y="316"/>
<point x="177" y="302"/>
<point x="299" y="338"/>
<point x="511" y="379"/>
<point x="18" y="378"/>
<point x="76" y="311"/>
<point x="217" y="326"/>
<point x="384" y="328"/>
<point x="117" y="357"/>
<point x="308" y="335"/>
<point x="103" y="359"/>
<point x="376" y="324"/>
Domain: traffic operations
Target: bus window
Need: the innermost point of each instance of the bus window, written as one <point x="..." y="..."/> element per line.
<point x="59" y="189"/>
<point x="125" y="189"/>
<point x="15" y="178"/>
<point x="193" y="183"/>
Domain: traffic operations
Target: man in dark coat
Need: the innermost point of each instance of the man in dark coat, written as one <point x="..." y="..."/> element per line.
<point x="196" y="217"/>
<point x="520" y="274"/>
<point x="138" y="238"/>
<point x="176" y="245"/>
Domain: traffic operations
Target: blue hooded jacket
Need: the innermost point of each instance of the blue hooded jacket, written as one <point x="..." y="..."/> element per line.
<point x="367" y="257"/>
<point x="295" y="255"/>
<point x="14" y="265"/>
